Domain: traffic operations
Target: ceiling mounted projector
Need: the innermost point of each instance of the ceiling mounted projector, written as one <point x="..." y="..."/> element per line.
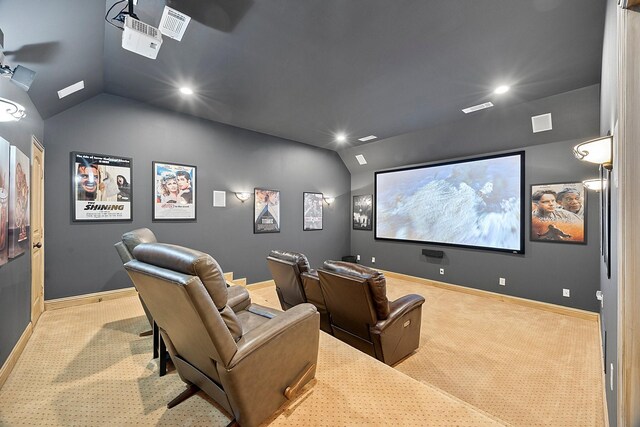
<point x="21" y="76"/>
<point x="141" y="38"/>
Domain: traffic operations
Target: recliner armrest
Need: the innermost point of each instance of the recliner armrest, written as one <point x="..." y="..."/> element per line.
<point x="397" y="309"/>
<point x="238" y="298"/>
<point x="256" y="338"/>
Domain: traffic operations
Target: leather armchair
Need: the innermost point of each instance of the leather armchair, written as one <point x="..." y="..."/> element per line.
<point x="238" y="296"/>
<point x="297" y="283"/>
<point x="362" y="316"/>
<point x="248" y="361"/>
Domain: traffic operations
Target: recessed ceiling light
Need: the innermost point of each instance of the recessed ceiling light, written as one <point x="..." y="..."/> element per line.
<point x="71" y="89"/>
<point x="477" y="107"/>
<point x="186" y="90"/>
<point x="341" y="137"/>
<point x="367" y="138"/>
<point x="501" y="89"/>
<point x="361" y="160"/>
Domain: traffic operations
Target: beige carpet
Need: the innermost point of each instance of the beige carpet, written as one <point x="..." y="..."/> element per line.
<point x="524" y="366"/>
<point x="86" y="366"/>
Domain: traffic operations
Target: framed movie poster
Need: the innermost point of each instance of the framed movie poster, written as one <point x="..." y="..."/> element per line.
<point x="558" y="213"/>
<point x="312" y="211"/>
<point x="363" y="212"/>
<point x="19" y="174"/>
<point x="266" y="208"/>
<point x="174" y="194"/>
<point x="101" y="187"/>
<point x="4" y="200"/>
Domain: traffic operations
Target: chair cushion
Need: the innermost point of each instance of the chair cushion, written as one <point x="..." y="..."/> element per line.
<point x="293" y="257"/>
<point x="375" y="280"/>
<point x="133" y="238"/>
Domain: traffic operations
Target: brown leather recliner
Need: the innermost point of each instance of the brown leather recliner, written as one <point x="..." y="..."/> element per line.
<point x="239" y="297"/>
<point x="297" y="283"/>
<point x="248" y="361"/>
<point x="362" y="316"/>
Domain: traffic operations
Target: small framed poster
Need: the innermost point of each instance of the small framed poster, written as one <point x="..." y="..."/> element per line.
<point x="312" y="211"/>
<point x="266" y="208"/>
<point x="363" y="212"/>
<point x="558" y="213"/>
<point x="19" y="211"/>
<point x="101" y="187"/>
<point x="174" y="192"/>
<point x="4" y="200"/>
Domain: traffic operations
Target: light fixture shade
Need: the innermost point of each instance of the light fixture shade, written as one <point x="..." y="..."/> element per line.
<point x="597" y="150"/>
<point x="595" y="184"/>
<point x="10" y="111"/>
<point x="329" y="199"/>
<point x="243" y="196"/>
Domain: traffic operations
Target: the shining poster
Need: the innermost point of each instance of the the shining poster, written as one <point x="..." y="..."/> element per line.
<point x="18" y="202"/>
<point x="266" y="211"/>
<point x="102" y="187"/>
<point x="4" y="200"/>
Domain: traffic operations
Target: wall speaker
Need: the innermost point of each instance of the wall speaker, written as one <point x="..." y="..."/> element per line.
<point x="541" y="123"/>
<point x="433" y="253"/>
<point x="219" y="199"/>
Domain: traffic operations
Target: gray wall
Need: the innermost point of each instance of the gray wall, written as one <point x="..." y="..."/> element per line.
<point x="609" y="286"/>
<point x="15" y="276"/>
<point x="545" y="268"/>
<point x="80" y="258"/>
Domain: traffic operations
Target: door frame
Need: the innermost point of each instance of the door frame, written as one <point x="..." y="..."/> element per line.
<point x="36" y="310"/>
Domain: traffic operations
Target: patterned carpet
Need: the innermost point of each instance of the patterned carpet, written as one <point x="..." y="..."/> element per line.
<point x="481" y="362"/>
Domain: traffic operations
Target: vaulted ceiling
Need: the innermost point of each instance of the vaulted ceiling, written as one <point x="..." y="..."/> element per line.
<point x="306" y="69"/>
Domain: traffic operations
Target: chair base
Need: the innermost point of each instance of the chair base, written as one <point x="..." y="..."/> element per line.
<point x="190" y="391"/>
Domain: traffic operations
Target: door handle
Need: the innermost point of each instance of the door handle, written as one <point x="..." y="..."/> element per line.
<point x="37" y="245"/>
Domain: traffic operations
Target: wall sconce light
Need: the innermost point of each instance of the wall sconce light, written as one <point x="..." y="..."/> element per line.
<point x="10" y="111"/>
<point x="243" y="196"/>
<point x="595" y="184"/>
<point x="328" y="200"/>
<point x="599" y="150"/>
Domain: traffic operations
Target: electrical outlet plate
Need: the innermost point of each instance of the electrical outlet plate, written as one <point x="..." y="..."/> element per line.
<point x="442" y="271"/>
<point x="373" y="260"/>
<point x="566" y="293"/>
<point x="502" y="281"/>
<point x="357" y="257"/>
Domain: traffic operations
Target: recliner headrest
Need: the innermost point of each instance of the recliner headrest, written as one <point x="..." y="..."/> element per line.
<point x="293" y="257"/>
<point x="133" y="238"/>
<point x="375" y="279"/>
<point x="187" y="261"/>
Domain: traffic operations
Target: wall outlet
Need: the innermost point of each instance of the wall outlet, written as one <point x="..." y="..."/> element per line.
<point x="373" y="260"/>
<point x="442" y="271"/>
<point x="502" y="281"/>
<point x="357" y="257"/>
<point x="566" y="293"/>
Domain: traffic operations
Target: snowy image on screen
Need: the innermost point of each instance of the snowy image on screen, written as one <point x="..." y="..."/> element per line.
<point x="472" y="203"/>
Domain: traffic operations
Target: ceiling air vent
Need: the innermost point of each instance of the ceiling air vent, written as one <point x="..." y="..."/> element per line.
<point x="477" y="107"/>
<point x="173" y="24"/>
<point x="361" y="160"/>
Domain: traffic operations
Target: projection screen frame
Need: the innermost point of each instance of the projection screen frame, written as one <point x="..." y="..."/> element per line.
<point x="520" y="251"/>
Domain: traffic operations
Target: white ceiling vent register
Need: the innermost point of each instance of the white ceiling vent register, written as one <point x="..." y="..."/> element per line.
<point x="477" y="107"/>
<point x="541" y="123"/>
<point x="173" y="23"/>
<point x="361" y="160"/>
<point x="141" y="38"/>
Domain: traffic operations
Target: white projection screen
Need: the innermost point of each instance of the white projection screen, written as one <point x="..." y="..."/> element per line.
<point x="474" y="203"/>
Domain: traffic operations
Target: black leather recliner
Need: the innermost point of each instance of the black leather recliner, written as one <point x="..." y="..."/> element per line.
<point x="362" y="316"/>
